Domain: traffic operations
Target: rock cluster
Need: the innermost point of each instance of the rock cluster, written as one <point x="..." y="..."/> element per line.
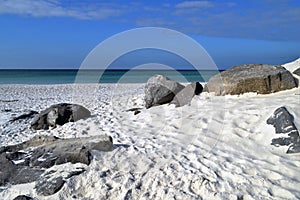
<point x="26" y="162"/>
<point x="160" y="90"/>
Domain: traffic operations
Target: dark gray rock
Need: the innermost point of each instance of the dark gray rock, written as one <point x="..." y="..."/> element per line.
<point x="25" y="162"/>
<point x="294" y="148"/>
<point x="7" y="168"/>
<point x="186" y="95"/>
<point x="135" y="110"/>
<point x="51" y="150"/>
<point x="262" y="79"/>
<point x="59" y="114"/>
<point x="25" y="174"/>
<point x="283" y="123"/>
<point x="160" y="90"/>
<point x="297" y="72"/>
<point x="59" y="153"/>
<point x="52" y="181"/>
<point x="48" y="185"/>
<point x="16" y="174"/>
<point x="198" y="88"/>
<point x="23" y="197"/>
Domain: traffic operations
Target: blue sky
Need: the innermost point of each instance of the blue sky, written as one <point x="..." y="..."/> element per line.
<point x="60" y="34"/>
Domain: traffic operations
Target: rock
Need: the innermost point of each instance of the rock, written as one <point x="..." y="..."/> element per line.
<point x="198" y="88"/>
<point x="59" y="153"/>
<point x="25" y="162"/>
<point x="23" y="197"/>
<point x="15" y="174"/>
<point x="297" y="72"/>
<point x="25" y="174"/>
<point x="7" y="168"/>
<point x="59" y="114"/>
<point x="294" y="148"/>
<point x="52" y="150"/>
<point x="53" y="179"/>
<point x="262" y="79"/>
<point x="37" y="140"/>
<point x="283" y="123"/>
<point x="160" y="90"/>
<point x="48" y="185"/>
<point x="186" y="95"/>
<point x="135" y="110"/>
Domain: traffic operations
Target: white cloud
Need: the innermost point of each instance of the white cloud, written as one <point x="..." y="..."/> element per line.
<point x="53" y="8"/>
<point x="263" y="19"/>
<point x="194" y="4"/>
<point x="228" y="19"/>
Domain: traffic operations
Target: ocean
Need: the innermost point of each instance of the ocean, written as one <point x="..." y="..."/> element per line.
<point x="22" y="76"/>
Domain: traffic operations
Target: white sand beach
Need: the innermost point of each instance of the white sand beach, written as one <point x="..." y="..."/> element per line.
<point x="219" y="147"/>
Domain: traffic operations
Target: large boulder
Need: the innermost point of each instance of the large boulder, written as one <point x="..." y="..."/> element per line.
<point x="45" y="151"/>
<point x="59" y="114"/>
<point x="186" y="95"/>
<point x="259" y="78"/>
<point x="283" y="123"/>
<point x="160" y="90"/>
<point x="25" y="162"/>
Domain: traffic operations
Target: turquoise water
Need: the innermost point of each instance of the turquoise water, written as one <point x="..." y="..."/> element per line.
<point x="98" y="76"/>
